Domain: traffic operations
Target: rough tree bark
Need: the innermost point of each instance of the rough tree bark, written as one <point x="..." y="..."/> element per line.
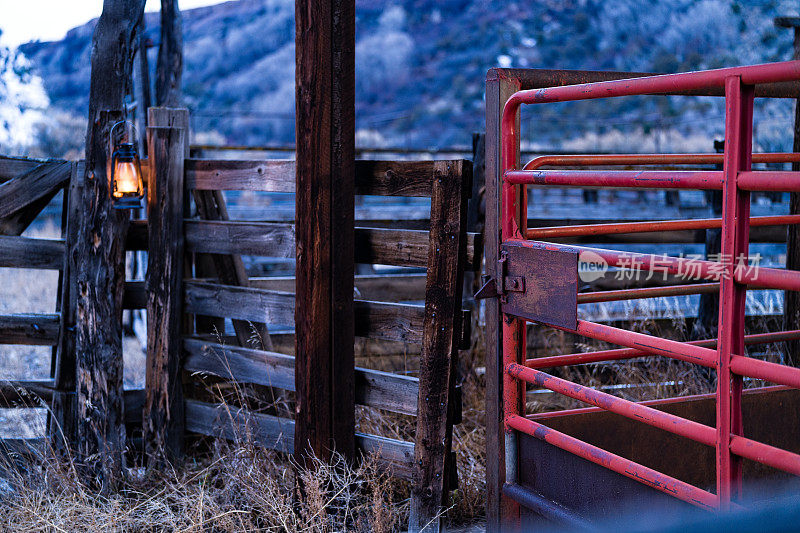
<point x="100" y="252"/>
<point x="170" y="56"/>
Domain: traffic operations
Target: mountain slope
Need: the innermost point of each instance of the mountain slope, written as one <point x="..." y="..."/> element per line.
<point x="421" y="66"/>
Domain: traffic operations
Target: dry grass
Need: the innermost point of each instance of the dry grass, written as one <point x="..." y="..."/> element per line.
<point x="238" y="489"/>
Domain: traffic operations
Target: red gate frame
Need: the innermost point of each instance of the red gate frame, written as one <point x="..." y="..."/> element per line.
<point x="736" y="181"/>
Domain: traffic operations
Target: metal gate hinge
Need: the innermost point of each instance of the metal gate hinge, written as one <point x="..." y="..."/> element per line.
<point x="490" y="289"/>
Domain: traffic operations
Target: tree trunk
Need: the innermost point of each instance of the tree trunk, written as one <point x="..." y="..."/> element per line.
<point x="100" y="252"/>
<point x="170" y="56"/>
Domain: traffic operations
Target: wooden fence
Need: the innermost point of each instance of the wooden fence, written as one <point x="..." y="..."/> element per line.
<point x="196" y="281"/>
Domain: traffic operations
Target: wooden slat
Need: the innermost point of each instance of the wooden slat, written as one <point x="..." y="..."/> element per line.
<point x="379" y="178"/>
<point x="31" y="186"/>
<point x="25" y="393"/>
<point x="29" y="329"/>
<point x="244" y="365"/>
<point x="404" y="178"/>
<point x="11" y="167"/>
<point x="382" y="246"/>
<point x="240" y="303"/>
<point x="374" y="388"/>
<point x="377" y="320"/>
<point x="24" y="252"/>
<point x="389" y="321"/>
<point x="243" y="238"/>
<point x="278" y="433"/>
<point x="381" y="287"/>
<point x="408" y="248"/>
<point x="229" y="269"/>
<point x="268" y="176"/>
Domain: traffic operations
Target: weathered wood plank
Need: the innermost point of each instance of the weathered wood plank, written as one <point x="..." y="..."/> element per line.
<point x="25" y="393"/>
<point x="39" y="182"/>
<point x="29" y="329"/>
<point x="397" y="247"/>
<point x="378" y="320"/>
<point x="382" y="390"/>
<point x="277" y="433"/>
<point x="377" y="287"/>
<point x="404" y="178"/>
<point x="24" y="252"/>
<point x="389" y="321"/>
<point x="244" y="238"/>
<point x="163" y="410"/>
<point x="441" y="337"/>
<point x="375" y="178"/>
<point x="11" y="167"/>
<point x="268" y="176"/>
<point x="240" y="303"/>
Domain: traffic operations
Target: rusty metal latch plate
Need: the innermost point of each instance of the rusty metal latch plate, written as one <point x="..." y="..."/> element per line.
<point x="540" y="284"/>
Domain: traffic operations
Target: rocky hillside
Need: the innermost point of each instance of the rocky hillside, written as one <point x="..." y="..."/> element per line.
<point x="421" y="66"/>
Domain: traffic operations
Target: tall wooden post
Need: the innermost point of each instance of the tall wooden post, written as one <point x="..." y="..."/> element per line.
<point x="100" y="254"/>
<point x="163" y="410"/>
<point x="169" y="68"/>
<point x="791" y="299"/>
<point x="325" y="138"/>
<point x="500" y="510"/>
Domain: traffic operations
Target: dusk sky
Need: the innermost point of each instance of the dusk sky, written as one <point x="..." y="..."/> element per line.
<point x="23" y="21"/>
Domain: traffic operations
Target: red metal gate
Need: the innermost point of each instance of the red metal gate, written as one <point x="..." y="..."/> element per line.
<point x="537" y="281"/>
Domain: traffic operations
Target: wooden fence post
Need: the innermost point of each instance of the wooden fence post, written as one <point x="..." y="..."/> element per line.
<point x="325" y="138"/>
<point x="437" y="376"/>
<point x="163" y="410"/>
<point x="100" y="253"/>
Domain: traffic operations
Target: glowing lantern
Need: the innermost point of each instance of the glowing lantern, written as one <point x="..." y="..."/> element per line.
<point x="128" y="189"/>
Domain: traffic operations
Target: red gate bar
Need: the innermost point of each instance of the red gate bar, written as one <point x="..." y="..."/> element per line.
<point x="760" y="277"/>
<point x="775" y="180"/>
<point x="549" y="232"/>
<point x="674" y="487"/>
<point x="674" y="424"/>
<point x="650" y="179"/>
<point x="632" y="353"/>
<point x="761" y="180"/>
<point x="747" y="448"/>
<point x="650" y="159"/>
<point x="647" y="292"/>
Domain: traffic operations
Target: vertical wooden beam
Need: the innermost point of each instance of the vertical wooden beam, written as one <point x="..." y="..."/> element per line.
<point x="441" y="332"/>
<point x="169" y="68"/>
<point x="499" y="509"/>
<point x="325" y="139"/>
<point x="144" y="76"/>
<point x="163" y="410"/>
<point x="100" y="253"/>
<point x="62" y="428"/>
